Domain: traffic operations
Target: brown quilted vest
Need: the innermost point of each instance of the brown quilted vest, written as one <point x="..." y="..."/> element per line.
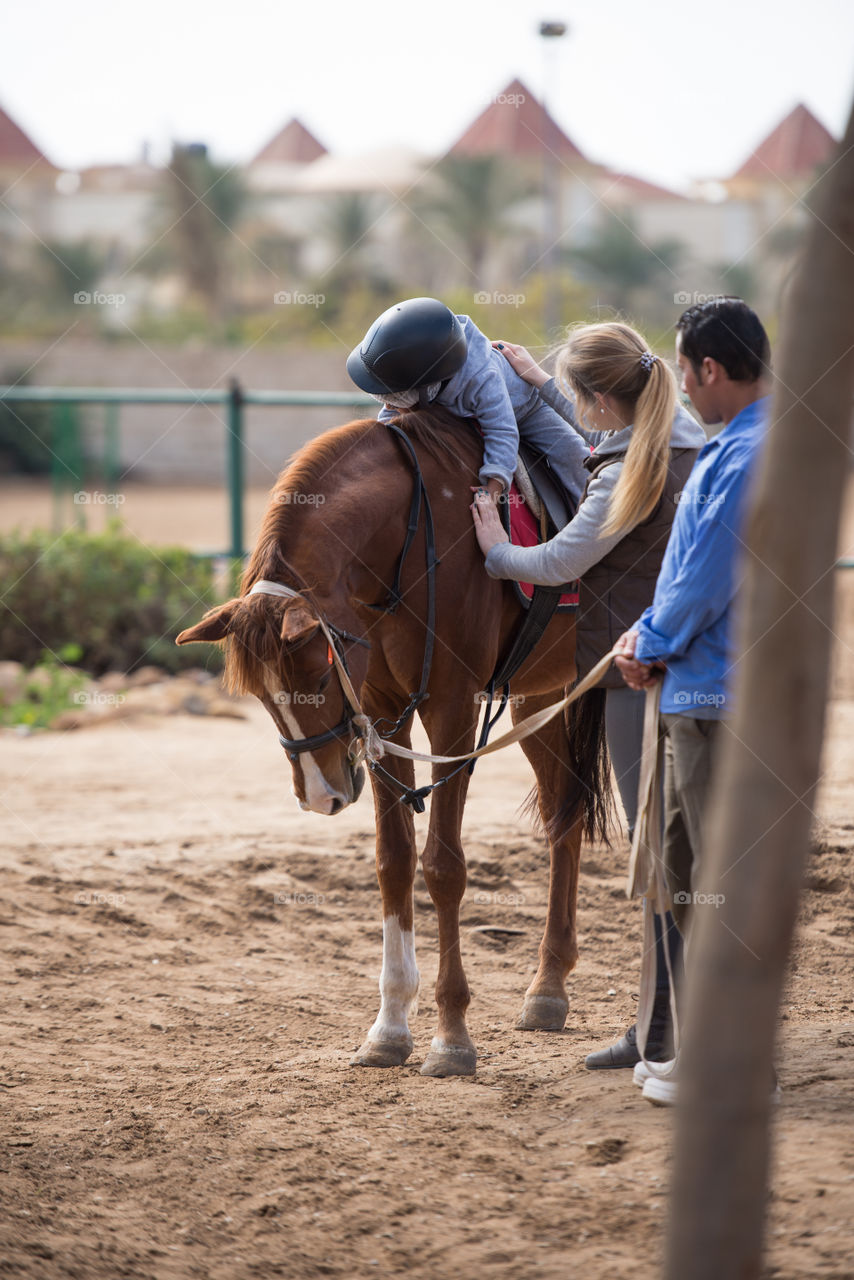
<point x="615" y="592"/>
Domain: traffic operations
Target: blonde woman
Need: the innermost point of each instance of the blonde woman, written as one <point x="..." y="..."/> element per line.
<point x="642" y="445"/>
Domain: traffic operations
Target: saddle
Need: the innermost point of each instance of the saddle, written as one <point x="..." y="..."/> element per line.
<point x="537" y="507"/>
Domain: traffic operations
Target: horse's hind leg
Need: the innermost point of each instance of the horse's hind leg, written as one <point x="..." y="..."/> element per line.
<point x="546" y="1004"/>
<point x="389" y="1041"/>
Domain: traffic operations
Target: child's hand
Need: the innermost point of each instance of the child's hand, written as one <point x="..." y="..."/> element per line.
<point x="487" y="522"/>
<point x="521" y="360"/>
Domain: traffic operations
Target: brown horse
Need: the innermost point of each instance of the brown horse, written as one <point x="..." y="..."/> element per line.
<point x="333" y="533"/>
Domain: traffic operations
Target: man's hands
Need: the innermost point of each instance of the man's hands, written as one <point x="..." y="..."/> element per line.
<point x="637" y="675"/>
<point x="487" y="522"/>
<point x="523" y="363"/>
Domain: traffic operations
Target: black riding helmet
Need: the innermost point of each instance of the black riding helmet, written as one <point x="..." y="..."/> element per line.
<point x="410" y="345"/>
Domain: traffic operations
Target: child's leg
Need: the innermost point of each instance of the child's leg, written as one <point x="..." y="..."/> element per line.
<point x="546" y="431"/>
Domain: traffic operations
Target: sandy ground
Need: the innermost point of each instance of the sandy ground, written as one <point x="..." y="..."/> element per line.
<point x="189" y="963"/>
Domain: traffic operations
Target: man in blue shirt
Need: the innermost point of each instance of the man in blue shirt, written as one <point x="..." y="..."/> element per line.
<point x="684" y="638"/>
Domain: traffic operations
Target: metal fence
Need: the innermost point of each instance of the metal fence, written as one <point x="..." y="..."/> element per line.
<point x="67" y="439"/>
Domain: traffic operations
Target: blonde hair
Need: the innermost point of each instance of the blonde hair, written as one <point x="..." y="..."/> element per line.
<point x="606" y="359"/>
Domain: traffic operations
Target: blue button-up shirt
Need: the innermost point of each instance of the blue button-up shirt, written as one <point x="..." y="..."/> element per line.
<point x="688" y="624"/>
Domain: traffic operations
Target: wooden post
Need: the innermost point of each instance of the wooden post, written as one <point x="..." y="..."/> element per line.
<point x="761" y="807"/>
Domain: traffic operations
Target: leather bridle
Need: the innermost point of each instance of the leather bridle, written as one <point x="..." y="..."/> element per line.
<point x="335" y="636"/>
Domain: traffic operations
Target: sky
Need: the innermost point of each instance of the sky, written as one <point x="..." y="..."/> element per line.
<point x="669" y="90"/>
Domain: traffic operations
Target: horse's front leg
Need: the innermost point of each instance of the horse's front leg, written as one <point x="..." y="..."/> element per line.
<point x="389" y="1041"/>
<point x="546" y="1004"/>
<point x="452" y="1052"/>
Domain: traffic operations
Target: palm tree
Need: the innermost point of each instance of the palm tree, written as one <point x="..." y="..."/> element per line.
<point x="621" y="264"/>
<point x="202" y="203"/>
<point x="345" y="224"/>
<point x="467" y="199"/>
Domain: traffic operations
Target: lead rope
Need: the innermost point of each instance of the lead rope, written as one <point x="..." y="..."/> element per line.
<point x="646" y="880"/>
<point x="373" y="747"/>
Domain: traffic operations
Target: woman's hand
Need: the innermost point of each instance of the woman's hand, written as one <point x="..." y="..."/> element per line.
<point x="487" y="522"/>
<point x="523" y="363"/>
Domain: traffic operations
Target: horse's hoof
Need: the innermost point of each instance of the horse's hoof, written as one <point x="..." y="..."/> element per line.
<point x="382" y="1053"/>
<point x="450" y="1060"/>
<point x="543" y="1013"/>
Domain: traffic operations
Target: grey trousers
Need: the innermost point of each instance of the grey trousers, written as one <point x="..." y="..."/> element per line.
<point x="689" y="750"/>
<point x="624" y="712"/>
<point x="547" y="431"/>
<point x="624" y="731"/>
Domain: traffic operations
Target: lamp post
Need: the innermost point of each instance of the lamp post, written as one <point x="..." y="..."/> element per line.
<point x="551" y="32"/>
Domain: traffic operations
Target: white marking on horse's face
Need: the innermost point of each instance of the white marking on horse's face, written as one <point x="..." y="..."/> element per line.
<point x="446" y="492"/>
<point x="320" y="797"/>
<point x="398" y="983"/>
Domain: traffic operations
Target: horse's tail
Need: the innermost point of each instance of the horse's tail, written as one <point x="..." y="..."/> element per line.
<point x="589" y="793"/>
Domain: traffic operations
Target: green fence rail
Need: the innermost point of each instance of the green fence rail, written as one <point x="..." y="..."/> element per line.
<point x="67" y="440"/>
<point x="68" y="453"/>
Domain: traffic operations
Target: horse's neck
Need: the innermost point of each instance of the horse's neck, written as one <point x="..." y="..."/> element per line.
<point x="350" y="542"/>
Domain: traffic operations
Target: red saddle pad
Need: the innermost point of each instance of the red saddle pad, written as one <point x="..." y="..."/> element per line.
<point x="525" y="532"/>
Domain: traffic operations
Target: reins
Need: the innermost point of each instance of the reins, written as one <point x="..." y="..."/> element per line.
<point x="367" y="742"/>
<point x="372" y="745"/>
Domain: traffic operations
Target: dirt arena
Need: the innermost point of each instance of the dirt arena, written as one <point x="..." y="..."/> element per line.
<point x="189" y="963"/>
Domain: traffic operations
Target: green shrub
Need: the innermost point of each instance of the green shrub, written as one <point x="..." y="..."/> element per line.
<point x="46" y="691"/>
<point x="121" y="602"/>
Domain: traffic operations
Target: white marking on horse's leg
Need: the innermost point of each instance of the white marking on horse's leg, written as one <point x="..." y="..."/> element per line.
<point x="398" y="984"/>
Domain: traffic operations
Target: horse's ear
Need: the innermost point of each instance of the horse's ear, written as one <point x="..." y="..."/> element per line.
<point x="297" y="624"/>
<point x="213" y="626"/>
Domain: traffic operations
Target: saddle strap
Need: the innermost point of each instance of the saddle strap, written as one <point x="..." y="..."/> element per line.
<point x="534" y="622"/>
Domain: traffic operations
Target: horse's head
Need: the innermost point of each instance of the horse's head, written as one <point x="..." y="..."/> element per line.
<point x="277" y="649"/>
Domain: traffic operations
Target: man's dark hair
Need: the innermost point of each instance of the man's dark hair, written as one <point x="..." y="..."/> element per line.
<point x="729" y="331"/>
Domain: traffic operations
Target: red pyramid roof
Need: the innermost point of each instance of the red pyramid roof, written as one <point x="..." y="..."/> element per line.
<point x="15" y="147"/>
<point x="795" y="149"/>
<point x="291" y="145"/>
<point x="515" y="124"/>
<point x="638" y="188"/>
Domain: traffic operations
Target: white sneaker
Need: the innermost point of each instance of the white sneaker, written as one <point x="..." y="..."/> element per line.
<point x="642" y="1072"/>
<point x="661" y="1093"/>
<point x="665" y="1093"/>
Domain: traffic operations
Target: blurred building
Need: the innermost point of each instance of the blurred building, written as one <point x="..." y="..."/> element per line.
<point x="388" y="215"/>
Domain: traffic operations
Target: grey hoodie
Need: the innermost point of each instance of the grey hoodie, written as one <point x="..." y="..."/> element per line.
<point x="581" y="543"/>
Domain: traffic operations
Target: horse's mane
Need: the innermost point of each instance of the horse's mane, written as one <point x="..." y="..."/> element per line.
<point x="443" y="436"/>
